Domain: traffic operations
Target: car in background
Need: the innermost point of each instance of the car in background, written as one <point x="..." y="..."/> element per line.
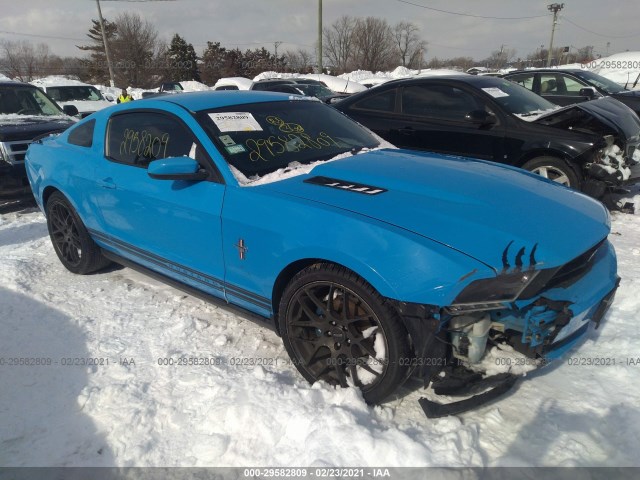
<point x="26" y="113"/>
<point x="310" y="90"/>
<point x="86" y="98"/>
<point x="373" y="264"/>
<point x="232" y="83"/>
<point x="268" y="83"/>
<point x="566" y="87"/>
<point x="164" y="88"/>
<point x="591" y="146"/>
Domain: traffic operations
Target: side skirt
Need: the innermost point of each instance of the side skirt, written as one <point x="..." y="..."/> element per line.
<point x="262" y="321"/>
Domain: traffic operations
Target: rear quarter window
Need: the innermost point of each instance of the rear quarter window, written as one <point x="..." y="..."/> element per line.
<point x="82" y="135"/>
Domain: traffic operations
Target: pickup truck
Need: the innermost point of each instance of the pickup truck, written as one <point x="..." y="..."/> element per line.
<point x="164" y="88"/>
<point x="26" y="113"/>
<point x="86" y="98"/>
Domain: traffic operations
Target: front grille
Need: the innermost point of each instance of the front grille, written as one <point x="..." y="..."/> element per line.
<point x="16" y="151"/>
<point x="562" y="276"/>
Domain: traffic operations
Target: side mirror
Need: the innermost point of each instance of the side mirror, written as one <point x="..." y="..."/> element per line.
<point x="588" y="92"/>
<point x="480" y="117"/>
<point x="108" y="97"/>
<point x="176" y="168"/>
<point x="70" y="110"/>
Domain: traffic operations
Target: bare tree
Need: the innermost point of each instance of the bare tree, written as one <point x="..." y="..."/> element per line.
<point x="500" y="58"/>
<point x="338" y="43"/>
<point x="410" y="47"/>
<point x="134" y="49"/>
<point x="24" y="61"/>
<point x="373" y="44"/>
<point x="298" y="61"/>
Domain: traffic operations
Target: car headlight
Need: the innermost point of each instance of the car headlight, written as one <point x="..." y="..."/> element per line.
<point x="491" y="293"/>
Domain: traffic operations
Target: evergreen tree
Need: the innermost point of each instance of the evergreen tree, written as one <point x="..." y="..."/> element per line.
<point x="96" y="64"/>
<point x="215" y="66"/>
<point x="183" y="61"/>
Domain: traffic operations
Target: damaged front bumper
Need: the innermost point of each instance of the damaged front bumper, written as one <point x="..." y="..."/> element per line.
<point x="543" y="327"/>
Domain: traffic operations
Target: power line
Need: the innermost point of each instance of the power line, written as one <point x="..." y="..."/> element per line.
<point x="7" y="32"/>
<point x="471" y="15"/>
<point x="596" y="33"/>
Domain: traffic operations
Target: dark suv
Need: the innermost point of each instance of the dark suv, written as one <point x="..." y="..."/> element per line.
<point x="26" y="112"/>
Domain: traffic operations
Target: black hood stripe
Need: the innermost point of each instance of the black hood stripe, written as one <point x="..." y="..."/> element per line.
<point x="344" y="185"/>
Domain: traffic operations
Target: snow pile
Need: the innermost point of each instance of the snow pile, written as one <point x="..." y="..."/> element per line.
<point x="369" y="78"/>
<point x="193" y="86"/>
<point x="4" y="78"/>
<point x="622" y="68"/>
<point x="56" y="81"/>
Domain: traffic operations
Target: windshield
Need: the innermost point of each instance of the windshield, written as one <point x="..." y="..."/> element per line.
<point x="71" y="93"/>
<point x="260" y="138"/>
<point x="600" y="82"/>
<point x="514" y="98"/>
<point x="26" y="101"/>
<point x="314" y="90"/>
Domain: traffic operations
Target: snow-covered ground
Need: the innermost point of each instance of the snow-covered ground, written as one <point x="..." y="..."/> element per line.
<point x="129" y="410"/>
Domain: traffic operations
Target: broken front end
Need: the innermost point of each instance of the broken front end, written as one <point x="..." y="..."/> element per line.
<point x="614" y="160"/>
<point x="532" y="314"/>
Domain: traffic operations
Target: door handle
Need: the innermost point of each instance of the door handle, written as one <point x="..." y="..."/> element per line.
<point x="107" y="183"/>
<point x="406" y="131"/>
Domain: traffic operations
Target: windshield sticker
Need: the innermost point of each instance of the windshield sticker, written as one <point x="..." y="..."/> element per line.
<point x="233" y="149"/>
<point x="235" y="122"/>
<point x="495" y="92"/>
<point x="226" y="140"/>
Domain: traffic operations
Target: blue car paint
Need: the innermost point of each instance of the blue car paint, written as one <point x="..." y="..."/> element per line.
<point x="443" y="222"/>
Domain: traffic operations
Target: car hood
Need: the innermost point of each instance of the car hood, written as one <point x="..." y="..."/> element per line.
<point x="27" y="127"/>
<point x="487" y="211"/>
<point x="607" y="110"/>
<point x="84" y="106"/>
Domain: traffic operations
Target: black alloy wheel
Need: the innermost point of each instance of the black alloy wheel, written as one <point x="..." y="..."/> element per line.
<point x="74" y="246"/>
<point x="337" y="328"/>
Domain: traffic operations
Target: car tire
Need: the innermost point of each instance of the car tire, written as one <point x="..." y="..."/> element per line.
<point x="364" y="344"/>
<point x="74" y="246"/>
<point x="554" y="169"/>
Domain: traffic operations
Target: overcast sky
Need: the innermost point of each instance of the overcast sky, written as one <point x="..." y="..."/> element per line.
<point x="255" y="23"/>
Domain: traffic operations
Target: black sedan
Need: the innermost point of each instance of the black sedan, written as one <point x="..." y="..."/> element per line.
<point x="566" y="87"/>
<point x="590" y="146"/>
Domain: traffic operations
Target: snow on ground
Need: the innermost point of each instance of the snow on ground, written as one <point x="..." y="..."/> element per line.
<point x="135" y="412"/>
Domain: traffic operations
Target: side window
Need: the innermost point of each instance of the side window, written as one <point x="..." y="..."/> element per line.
<point x="82" y="135"/>
<point x="440" y="101"/>
<point x="573" y="86"/>
<point x="138" y="138"/>
<point x="383" y="102"/>
<point x="523" y="79"/>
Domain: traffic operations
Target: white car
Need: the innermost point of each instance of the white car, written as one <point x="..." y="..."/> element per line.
<point x="86" y="98"/>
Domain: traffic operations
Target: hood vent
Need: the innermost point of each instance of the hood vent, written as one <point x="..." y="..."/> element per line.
<point x="343" y="185"/>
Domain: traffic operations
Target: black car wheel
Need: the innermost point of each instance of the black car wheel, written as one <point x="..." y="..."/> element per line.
<point x="337" y="328"/>
<point x="74" y="246"/>
<point x="554" y="169"/>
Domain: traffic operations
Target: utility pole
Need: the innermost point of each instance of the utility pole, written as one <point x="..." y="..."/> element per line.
<point x="106" y="45"/>
<point x="555" y="8"/>
<point x="319" y="36"/>
<point x="276" y="44"/>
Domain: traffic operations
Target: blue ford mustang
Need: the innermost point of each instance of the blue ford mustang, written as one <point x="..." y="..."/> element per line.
<point x="374" y="264"/>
